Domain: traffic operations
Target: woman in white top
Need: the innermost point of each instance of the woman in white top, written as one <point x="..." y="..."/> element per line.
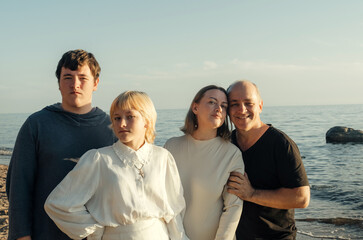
<point x="130" y="190"/>
<point x="205" y="158"/>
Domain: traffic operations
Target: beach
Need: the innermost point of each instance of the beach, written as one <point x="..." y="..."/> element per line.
<point x="4" y="204"/>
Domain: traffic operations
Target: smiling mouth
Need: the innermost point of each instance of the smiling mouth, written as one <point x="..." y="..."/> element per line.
<point x="242" y="117"/>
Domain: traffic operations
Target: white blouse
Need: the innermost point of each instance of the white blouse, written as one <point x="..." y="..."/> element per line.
<point x="204" y="167"/>
<point x="115" y="186"/>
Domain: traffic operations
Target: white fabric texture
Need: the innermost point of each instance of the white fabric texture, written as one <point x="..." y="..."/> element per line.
<point x="204" y="168"/>
<point x="154" y="229"/>
<point x="106" y="189"/>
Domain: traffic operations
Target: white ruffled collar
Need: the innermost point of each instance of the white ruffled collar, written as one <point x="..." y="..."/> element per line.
<point x="130" y="157"/>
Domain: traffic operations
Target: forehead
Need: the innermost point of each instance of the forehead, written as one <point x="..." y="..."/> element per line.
<point x="215" y="93"/>
<point x="81" y="70"/>
<point x="120" y="110"/>
<point x="243" y="92"/>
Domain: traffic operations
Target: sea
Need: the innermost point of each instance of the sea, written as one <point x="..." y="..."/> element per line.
<point x="334" y="170"/>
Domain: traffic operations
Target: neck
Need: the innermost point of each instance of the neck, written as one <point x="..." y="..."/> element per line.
<point x="135" y="145"/>
<point x="201" y="134"/>
<point x="247" y="139"/>
<point x="78" y="110"/>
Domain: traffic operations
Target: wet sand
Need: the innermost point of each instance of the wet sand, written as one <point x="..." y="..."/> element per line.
<point x="4" y="204"/>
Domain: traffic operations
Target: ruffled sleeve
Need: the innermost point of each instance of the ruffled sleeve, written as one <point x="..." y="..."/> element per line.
<point x="232" y="205"/>
<point x="175" y="200"/>
<point x="66" y="204"/>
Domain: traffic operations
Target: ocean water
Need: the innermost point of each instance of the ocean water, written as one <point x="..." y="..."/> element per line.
<point x="334" y="170"/>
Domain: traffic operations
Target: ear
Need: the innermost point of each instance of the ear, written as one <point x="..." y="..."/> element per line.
<point x="261" y="105"/>
<point x="96" y="84"/>
<point x="146" y="122"/>
<point x="195" y="108"/>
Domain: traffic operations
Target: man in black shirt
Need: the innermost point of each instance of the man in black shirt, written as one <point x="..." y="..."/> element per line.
<point x="276" y="182"/>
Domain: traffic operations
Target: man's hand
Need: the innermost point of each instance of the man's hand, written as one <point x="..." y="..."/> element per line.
<point x="240" y="186"/>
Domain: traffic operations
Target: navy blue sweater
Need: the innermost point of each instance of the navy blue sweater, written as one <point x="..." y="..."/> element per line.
<point x="46" y="148"/>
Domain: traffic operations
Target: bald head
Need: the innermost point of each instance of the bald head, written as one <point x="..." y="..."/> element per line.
<point x="244" y="84"/>
<point x="245" y="106"/>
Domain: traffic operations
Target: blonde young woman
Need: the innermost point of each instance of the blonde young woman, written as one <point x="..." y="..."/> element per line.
<point x="205" y="158"/>
<point x="130" y="190"/>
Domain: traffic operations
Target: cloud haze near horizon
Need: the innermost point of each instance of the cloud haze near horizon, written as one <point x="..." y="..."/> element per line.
<point x="297" y="52"/>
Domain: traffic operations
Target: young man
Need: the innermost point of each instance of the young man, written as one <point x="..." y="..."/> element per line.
<point x="276" y="182"/>
<point x="50" y="142"/>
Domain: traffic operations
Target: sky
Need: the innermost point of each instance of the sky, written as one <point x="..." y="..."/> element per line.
<point x="297" y="52"/>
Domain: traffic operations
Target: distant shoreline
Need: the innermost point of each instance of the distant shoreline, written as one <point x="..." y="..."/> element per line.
<point x="186" y="109"/>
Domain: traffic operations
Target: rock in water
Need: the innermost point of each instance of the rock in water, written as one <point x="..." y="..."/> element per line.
<point x="343" y="135"/>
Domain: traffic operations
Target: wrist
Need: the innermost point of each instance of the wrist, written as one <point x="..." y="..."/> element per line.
<point x="253" y="193"/>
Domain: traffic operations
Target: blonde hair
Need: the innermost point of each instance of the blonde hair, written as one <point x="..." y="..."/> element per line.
<point x="141" y="102"/>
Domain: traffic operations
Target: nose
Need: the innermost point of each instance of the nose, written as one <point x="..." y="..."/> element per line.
<point x="242" y="107"/>
<point x="123" y="122"/>
<point x="218" y="108"/>
<point x="76" y="83"/>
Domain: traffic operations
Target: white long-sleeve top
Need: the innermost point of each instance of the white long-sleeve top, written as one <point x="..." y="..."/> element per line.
<point x="204" y="167"/>
<point x="106" y="188"/>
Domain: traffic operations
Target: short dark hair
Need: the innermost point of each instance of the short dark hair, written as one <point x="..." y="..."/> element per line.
<point x="75" y="58"/>
<point x="191" y="121"/>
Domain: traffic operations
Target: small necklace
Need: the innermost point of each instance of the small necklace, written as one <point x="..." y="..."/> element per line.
<point x="141" y="172"/>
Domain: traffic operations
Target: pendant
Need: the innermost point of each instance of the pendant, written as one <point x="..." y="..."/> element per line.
<point x="141" y="173"/>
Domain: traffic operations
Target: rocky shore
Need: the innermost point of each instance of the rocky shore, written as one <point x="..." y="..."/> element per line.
<point x="4" y="204"/>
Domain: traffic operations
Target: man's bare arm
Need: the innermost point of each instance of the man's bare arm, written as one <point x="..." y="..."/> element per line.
<point x="25" y="238"/>
<point x="282" y="198"/>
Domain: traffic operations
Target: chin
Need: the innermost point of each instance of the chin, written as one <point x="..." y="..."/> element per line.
<point x="217" y="124"/>
<point x="242" y="127"/>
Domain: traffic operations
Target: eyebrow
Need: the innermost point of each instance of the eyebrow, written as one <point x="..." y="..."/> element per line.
<point x="217" y="100"/>
<point x="68" y="74"/>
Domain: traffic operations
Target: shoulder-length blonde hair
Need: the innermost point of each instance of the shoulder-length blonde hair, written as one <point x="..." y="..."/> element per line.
<point x="191" y="121"/>
<point x="141" y="102"/>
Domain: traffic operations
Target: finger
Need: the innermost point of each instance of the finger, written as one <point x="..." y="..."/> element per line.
<point x="234" y="179"/>
<point x="232" y="191"/>
<point x="237" y="174"/>
<point x="233" y="185"/>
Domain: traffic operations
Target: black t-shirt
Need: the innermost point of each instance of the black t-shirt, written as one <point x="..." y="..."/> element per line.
<point x="272" y="162"/>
